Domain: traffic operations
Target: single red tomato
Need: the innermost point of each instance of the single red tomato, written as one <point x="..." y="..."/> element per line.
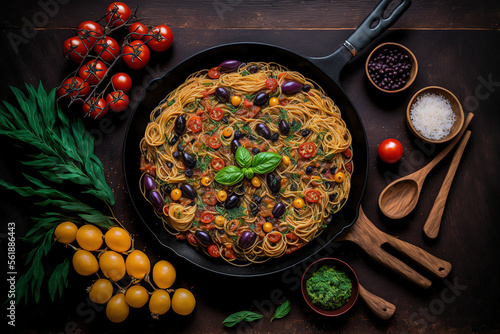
<point x="107" y="48"/>
<point x="74" y="49"/>
<point x="195" y="124"/>
<point x="191" y="239"/>
<point x="95" y="108"/>
<point x="312" y="195"/>
<point x="274" y="236"/>
<point x="117" y="101"/>
<point x="347" y="153"/>
<point x="271" y="83"/>
<point x="136" y="54"/>
<point x="160" y="38"/>
<point x="74" y="87"/>
<point x="121" y="81"/>
<point x="209" y="198"/>
<point x="117" y="14"/>
<point x="214" y="142"/>
<point x="390" y="150"/>
<point x="307" y="149"/>
<point x="217" y="163"/>
<point x="229" y="254"/>
<point x="93" y="71"/>
<point x="213" y="250"/>
<point x="137" y="30"/>
<point x="89" y="32"/>
<point x="214" y="73"/>
<point x="206" y="217"/>
<point x="216" y="114"/>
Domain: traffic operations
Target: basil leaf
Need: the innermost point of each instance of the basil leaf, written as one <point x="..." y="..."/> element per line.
<point x="229" y="175"/>
<point x="265" y="162"/>
<point x="243" y="157"/>
<point x="238" y="317"/>
<point x="248" y="172"/>
<point x="282" y="310"/>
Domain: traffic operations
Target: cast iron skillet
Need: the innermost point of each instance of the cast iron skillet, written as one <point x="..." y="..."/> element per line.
<point x="325" y="71"/>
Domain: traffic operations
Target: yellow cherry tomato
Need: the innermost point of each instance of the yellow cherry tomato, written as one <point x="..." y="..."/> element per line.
<point x="286" y="160"/>
<point x="227" y="132"/>
<point x="136" y="296"/>
<point x="117" y="308"/>
<point x="267" y="227"/>
<point x="175" y="194"/>
<point x="256" y="182"/>
<point x="101" y="291"/>
<point x="112" y="265"/>
<point x="65" y="232"/>
<point x="85" y="263"/>
<point x="236" y="100"/>
<point x="273" y="101"/>
<point x="159" y="303"/>
<point x="339" y="177"/>
<point x="89" y="237"/>
<point x="298" y="203"/>
<point x="205" y="181"/>
<point x="137" y="264"/>
<point x="164" y="274"/>
<point x="220" y="220"/>
<point x="118" y="239"/>
<point x="183" y="301"/>
<point x="222" y="195"/>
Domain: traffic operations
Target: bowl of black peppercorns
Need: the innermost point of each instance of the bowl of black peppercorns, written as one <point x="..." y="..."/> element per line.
<point x="391" y="67"/>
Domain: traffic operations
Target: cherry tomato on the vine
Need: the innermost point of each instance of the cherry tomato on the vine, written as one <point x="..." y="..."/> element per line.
<point x="74" y="49"/>
<point x="160" y="38"/>
<point x="107" y="48"/>
<point x="93" y="71"/>
<point x="136" y="55"/>
<point x="89" y="32"/>
<point x="117" y="14"/>
<point x="95" y="108"/>
<point x="117" y="101"/>
<point x="121" y="81"/>
<point x="74" y="87"/>
<point x="390" y="150"/>
<point x="137" y="30"/>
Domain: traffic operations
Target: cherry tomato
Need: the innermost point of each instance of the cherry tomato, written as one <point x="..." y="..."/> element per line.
<point x="101" y="291"/>
<point x="74" y="87"/>
<point x="347" y="153"/>
<point x="107" y="48"/>
<point x="236" y="100"/>
<point x="117" y="14"/>
<point x="164" y="274"/>
<point x="117" y="309"/>
<point x="312" y="195"/>
<point x="348" y="167"/>
<point x="274" y="236"/>
<point x="222" y="195"/>
<point x="118" y="239"/>
<point x="291" y="249"/>
<point x="121" y="81"/>
<point x="117" y="101"/>
<point x="271" y="83"/>
<point x="137" y="30"/>
<point x="227" y="132"/>
<point x="206" y="217"/>
<point x="85" y="263"/>
<point x="390" y="151"/>
<point x="112" y="265"/>
<point x="137" y="264"/>
<point x="191" y="239"/>
<point x="93" y="71"/>
<point x="267" y="227"/>
<point x="175" y="194"/>
<point x="136" y="55"/>
<point x="217" y="163"/>
<point x="273" y="101"/>
<point x="247" y="104"/>
<point x="339" y="177"/>
<point x="161" y="38"/>
<point x="95" y="108"/>
<point x="183" y="301"/>
<point x="213" y="250"/>
<point x="214" y="73"/>
<point x="159" y="303"/>
<point x="210" y="198"/>
<point x="216" y="114"/>
<point x="299" y="203"/>
<point x="65" y="233"/>
<point x="229" y="254"/>
<point x="292" y="236"/>
<point x="89" y="237"/>
<point x="89" y="32"/>
<point x="214" y="142"/>
<point x="307" y="149"/>
<point x="136" y="296"/>
<point x="74" y="49"/>
<point x="195" y="124"/>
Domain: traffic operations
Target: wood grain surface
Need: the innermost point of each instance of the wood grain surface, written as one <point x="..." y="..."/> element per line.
<point x="457" y="44"/>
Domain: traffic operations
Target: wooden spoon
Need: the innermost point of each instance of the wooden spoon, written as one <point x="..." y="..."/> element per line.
<point x="400" y="197"/>
<point x="433" y="222"/>
<point x="380" y="307"/>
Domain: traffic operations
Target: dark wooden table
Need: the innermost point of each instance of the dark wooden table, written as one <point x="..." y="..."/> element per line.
<point x="457" y="44"/>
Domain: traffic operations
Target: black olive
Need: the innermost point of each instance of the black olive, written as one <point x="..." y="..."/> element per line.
<point x="309" y="170"/>
<point x="275" y="136"/>
<point x="193" y="140"/>
<point x="180" y="148"/>
<point x="188" y="191"/>
<point x="188" y="159"/>
<point x="333" y="169"/>
<point x="247" y="239"/>
<point x="225" y="120"/>
<point x="189" y="172"/>
<point x="324" y="171"/>
<point x="256" y="199"/>
<point x="166" y="189"/>
<point x="222" y="94"/>
<point x="176" y="155"/>
<point x="284" y="127"/>
<point x="278" y="210"/>
<point x="234" y="145"/>
<point x="261" y="99"/>
<point x="192" y="203"/>
<point x="180" y="125"/>
<point x="174" y="140"/>
<point x="170" y="165"/>
<point x="232" y="202"/>
<point x="273" y="181"/>
<point x="305" y="133"/>
<point x="306" y="88"/>
<point x="252" y="69"/>
<point x="255" y="150"/>
<point x="203" y="238"/>
<point x="263" y="131"/>
<point x="238" y="134"/>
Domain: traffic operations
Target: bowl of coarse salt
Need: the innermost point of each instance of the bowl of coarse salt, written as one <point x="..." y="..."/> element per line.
<point x="434" y="115"/>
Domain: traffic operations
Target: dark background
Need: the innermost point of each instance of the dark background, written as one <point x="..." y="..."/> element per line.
<point x="457" y="44"/>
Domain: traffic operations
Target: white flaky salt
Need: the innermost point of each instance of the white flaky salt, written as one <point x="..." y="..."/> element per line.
<point x="432" y="116"/>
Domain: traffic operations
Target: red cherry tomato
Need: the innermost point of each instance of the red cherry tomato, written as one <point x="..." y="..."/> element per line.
<point x="307" y="149"/>
<point x="216" y="114"/>
<point x="210" y="198"/>
<point x="347" y="153"/>
<point x="213" y="250"/>
<point x="93" y="71"/>
<point x="95" y="108"/>
<point x="137" y="30"/>
<point x="214" y="73"/>
<point x="117" y="14"/>
<point x="117" y="101"/>
<point x="191" y="239"/>
<point x="161" y="38"/>
<point x="136" y="55"/>
<point x="195" y="124"/>
<point x="214" y="142"/>
<point x="390" y="151"/>
<point x="274" y="236"/>
<point x="217" y="163"/>
<point x="348" y="167"/>
<point x="74" y="49"/>
<point x="89" y="32"/>
<point x="312" y="195"/>
<point x="271" y="83"/>
<point x="74" y="87"/>
<point x="107" y="48"/>
<point x="206" y="217"/>
<point x="121" y="81"/>
<point x="229" y="254"/>
<point x="247" y="104"/>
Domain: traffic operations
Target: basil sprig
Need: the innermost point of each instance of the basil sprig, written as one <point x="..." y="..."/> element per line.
<point x="238" y="317"/>
<point x="261" y="163"/>
<point x="282" y="310"/>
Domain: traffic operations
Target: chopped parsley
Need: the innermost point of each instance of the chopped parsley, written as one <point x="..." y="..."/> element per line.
<point x="296" y="125"/>
<point x="284" y="115"/>
<point x="239" y="212"/>
<point x="245" y="73"/>
<point x="170" y="103"/>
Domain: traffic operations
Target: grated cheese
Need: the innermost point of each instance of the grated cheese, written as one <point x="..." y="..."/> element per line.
<point x="432" y="116"/>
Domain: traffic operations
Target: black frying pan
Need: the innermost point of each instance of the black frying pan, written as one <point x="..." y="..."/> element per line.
<point x="325" y="71"/>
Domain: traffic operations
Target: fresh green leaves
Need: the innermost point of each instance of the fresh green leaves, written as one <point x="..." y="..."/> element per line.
<point x="59" y="279"/>
<point x="238" y="317"/>
<point x="231" y="214"/>
<point x="282" y="310"/>
<point x="261" y="163"/>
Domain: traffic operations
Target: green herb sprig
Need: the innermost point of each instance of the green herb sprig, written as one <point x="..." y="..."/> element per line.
<point x="238" y="317"/>
<point x="282" y="310"/>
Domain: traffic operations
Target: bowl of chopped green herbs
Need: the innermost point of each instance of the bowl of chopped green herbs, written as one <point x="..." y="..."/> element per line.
<point x="330" y="287"/>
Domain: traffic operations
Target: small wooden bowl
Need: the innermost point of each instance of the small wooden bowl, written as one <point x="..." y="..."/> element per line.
<point x="341" y="265"/>
<point x="456" y="107"/>
<point x="403" y="49"/>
